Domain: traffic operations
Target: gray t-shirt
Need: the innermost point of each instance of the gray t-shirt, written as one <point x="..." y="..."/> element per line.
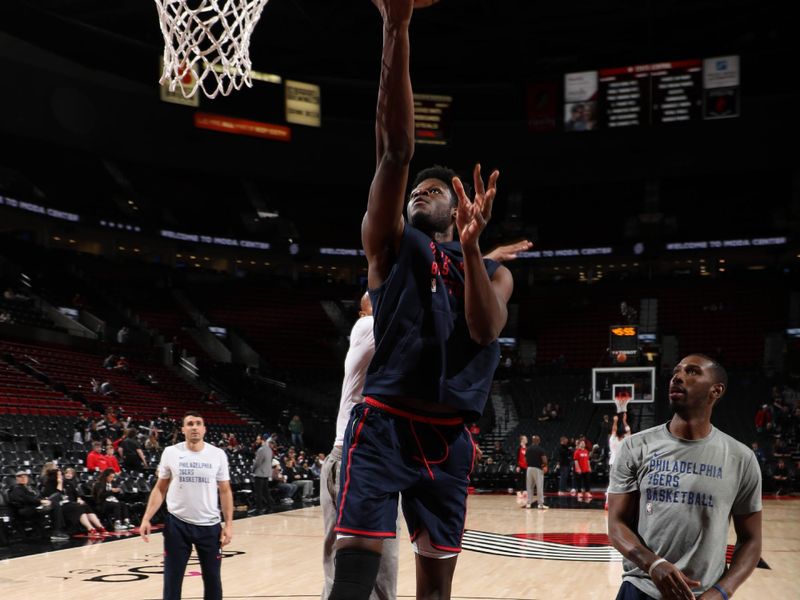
<point x="688" y="492"/>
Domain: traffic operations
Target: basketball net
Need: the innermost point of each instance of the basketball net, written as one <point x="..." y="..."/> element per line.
<point x="210" y="38"/>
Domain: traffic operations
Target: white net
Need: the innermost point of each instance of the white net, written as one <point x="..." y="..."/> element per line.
<point x="207" y="44"/>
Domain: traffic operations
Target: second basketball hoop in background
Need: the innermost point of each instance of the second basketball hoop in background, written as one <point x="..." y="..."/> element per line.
<point x="210" y="38"/>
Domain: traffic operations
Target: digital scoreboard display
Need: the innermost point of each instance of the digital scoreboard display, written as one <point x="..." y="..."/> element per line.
<point x="623" y="339"/>
<point x="652" y="94"/>
<point x="624" y="96"/>
<point x="677" y="91"/>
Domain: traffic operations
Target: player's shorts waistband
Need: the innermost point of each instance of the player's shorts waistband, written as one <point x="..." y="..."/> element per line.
<point x="429" y="418"/>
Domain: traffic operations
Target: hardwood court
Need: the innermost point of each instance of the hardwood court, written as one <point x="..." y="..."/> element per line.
<point x="278" y="557"/>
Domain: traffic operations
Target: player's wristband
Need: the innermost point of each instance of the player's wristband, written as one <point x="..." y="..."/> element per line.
<point x="655" y="564"/>
<point x="718" y="587"/>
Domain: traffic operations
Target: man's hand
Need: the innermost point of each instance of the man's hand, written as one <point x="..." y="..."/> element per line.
<point x="509" y="252"/>
<point x="226" y="535"/>
<point x="672" y="583"/>
<point x="472" y="217"/>
<point x="144" y="529"/>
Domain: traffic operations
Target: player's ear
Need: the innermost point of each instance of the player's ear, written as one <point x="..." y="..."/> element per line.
<point x="717" y="391"/>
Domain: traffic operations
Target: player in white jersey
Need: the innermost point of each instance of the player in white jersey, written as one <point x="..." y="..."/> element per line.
<point x="190" y="475"/>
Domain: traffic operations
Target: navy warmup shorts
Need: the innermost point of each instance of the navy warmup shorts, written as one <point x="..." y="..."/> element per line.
<point x="428" y="458"/>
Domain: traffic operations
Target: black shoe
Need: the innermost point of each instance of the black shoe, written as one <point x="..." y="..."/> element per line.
<point x="58" y="536"/>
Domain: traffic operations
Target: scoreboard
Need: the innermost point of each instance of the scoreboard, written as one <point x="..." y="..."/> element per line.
<point x="623" y="339"/>
<point x="652" y="94"/>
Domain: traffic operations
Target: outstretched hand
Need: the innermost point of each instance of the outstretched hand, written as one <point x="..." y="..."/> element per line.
<point x="508" y="252"/>
<point x="472" y="216"/>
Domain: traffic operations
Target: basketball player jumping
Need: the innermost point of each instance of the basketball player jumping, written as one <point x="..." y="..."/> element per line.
<point x="438" y="310"/>
<point x="359" y="355"/>
<point x="673" y="489"/>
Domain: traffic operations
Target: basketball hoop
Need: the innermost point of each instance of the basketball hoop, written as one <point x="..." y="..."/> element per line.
<point x="210" y="38"/>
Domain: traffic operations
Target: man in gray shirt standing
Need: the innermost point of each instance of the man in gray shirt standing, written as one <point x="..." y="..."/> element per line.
<point x="262" y="472"/>
<point x="673" y="489"/>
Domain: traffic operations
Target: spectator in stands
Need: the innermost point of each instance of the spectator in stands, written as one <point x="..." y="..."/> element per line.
<point x="97" y="429"/>
<point x="122" y="365"/>
<point x="233" y="443"/>
<point x="81" y="429"/>
<point x="110" y="361"/>
<point x="76" y="512"/>
<point x="780" y="449"/>
<point x="296" y="429"/>
<point x="760" y="454"/>
<point x="133" y="458"/>
<point x="497" y="453"/>
<point x="279" y="481"/>
<point x="583" y="470"/>
<point x="5" y="317"/>
<point x="764" y="420"/>
<point x="96" y="459"/>
<point x="780" y="478"/>
<point x="95" y="385"/>
<point x="295" y="475"/>
<point x="27" y="503"/>
<point x="152" y="440"/>
<point x="108" y="504"/>
<point x="316" y="469"/>
<point x="165" y="426"/>
<point x="123" y="335"/>
<point x="564" y="465"/>
<point x="111" y="461"/>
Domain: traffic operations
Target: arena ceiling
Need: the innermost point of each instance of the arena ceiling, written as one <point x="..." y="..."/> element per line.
<point x="486" y="50"/>
<point x="455" y="41"/>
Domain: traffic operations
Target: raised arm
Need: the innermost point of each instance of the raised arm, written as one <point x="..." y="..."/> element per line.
<point x="382" y="226"/>
<point x="509" y="252"/>
<point x="484" y="299"/>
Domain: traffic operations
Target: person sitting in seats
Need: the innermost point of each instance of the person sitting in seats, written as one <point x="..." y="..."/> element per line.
<point x="107" y="502"/>
<point x="57" y="488"/>
<point x="27" y="504"/>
